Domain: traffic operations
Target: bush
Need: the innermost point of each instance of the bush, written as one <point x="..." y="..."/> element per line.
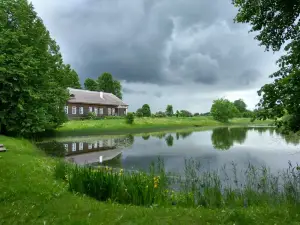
<point x="129" y="118"/>
<point x="146" y="110"/>
<point x="91" y="115"/>
<point x="222" y="110"/>
<point x="139" y="113"/>
<point x="160" y="114"/>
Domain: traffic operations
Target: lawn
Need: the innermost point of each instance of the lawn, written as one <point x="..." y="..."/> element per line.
<point x="31" y="195"/>
<point x="119" y="126"/>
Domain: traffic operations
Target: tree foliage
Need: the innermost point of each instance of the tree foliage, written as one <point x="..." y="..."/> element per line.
<point x="185" y="113"/>
<point x="169" y="110"/>
<point x="139" y="112"/>
<point x="146" y="110"/>
<point x="129" y="118"/>
<point x="240" y="105"/>
<point x="223" y="110"/>
<point x="277" y="23"/>
<point x="90" y="84"/>
<point x="33" y="76"/>
<point x="105" y="83"/>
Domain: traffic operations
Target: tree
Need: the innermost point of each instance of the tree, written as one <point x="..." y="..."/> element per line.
<point x="139" y="112"/>
<point x="185" y="113"/>
<point x="31" y="72"/>
<point x="146" y="110"/>
<point x="90" y="84"/>
<point x="169" y="110"/>
<point x="107" y="84"/>
<point x="240" y="105"/>
<point x="223" y="110"/>
<point x="276" y="23"/>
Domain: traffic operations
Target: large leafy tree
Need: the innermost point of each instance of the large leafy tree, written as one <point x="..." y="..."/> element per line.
<point x="223" y="110"/>
<point x="240" y="105"/>
<point x="71" y="78"/>
<point x="31" y="72"/>
<point x="90" y="84"/>
<point x="146" y="110"/>
<point x="277" y="23"/>
<point x="105" y="83"/>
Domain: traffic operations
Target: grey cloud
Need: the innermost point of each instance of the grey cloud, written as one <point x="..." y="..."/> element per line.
<point x="161" y="42"/>
<point x="158" y="94"/>
<point x="130" y="91"/>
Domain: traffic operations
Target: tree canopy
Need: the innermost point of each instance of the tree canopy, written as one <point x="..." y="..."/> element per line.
<point x="277" y="24"/>
<point x="33" y="77"/>
<point x="240" y="105"/>
<point x="105" y="83"/>
<point x="146" y="110"/>
<point x="169" y="110"/>
<point x="223" y="110"/>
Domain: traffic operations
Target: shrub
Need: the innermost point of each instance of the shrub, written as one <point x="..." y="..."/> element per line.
<point x="146" y="110"/>
<point x="139" y="113"/>
<point x="129" y="118"/>
<point x="160" y="114"/>
<point x="91" y="115"/>
<point x="223" y="110"/>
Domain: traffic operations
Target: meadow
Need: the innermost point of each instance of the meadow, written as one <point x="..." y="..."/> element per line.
<point x="31" y="193"/>
<point x="146" y="124"/>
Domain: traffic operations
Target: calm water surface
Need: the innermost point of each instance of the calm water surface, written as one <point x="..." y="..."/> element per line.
<point x="212" y="148"/>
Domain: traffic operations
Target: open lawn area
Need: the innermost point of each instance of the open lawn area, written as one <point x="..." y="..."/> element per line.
<point x="31" y="195"/>
<point x="119" y="126"/>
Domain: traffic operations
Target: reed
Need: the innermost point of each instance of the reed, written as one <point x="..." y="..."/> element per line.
<point x="196" y="188"/>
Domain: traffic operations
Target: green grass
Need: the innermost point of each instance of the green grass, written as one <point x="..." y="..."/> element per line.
<point x="119" y="126"/>
<point x="30" y="194"/>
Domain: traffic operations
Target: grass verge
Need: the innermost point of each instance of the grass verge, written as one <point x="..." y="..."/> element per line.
<point x="31" y="195"/>
<point x="141" y="125"/>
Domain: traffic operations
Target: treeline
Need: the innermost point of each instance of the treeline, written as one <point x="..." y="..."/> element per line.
<point x="33" y="76"/>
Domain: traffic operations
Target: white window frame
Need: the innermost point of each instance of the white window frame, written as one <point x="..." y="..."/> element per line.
<point x="109" y="111"/>
<point x="100" y="111"/>
<point x="73" y="147"/>
<point x="81" y="110"/>
<point x="90" y="109"/>
<point x="96" y="110"/>
<point x="113" y="111"/>
<point x="66" y="147"/>
<point x="80" y="146"/>
<point x="95" y="144"/>
<point x="74" y="110"/>
<point x="90" y="146"/>
<point x="100" y="144"/>
<point x="67" y="109"/>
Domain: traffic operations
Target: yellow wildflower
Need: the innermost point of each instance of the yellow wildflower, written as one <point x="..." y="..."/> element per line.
<point x="155" y="185"/>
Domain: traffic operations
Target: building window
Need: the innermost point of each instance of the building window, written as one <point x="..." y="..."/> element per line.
<point x="80" y="146"/>
<point x="109" y="111"/>
<point x="73" y="147"/>
<point x="101" y="111"/>
<point x="81" y="110"/>
<point x="96" y="110"/>
<point x="74" y="109"/>
<point x="90" y="109"/>
<point x="113" y="111"/>
<point x="95" y="144"/>
<point x="66" y="109"/>
<point x="90" y="146"/>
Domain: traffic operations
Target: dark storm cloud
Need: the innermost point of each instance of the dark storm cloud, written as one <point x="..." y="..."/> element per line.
<point x="156" y="41"/>
<point x="131" y="91"/>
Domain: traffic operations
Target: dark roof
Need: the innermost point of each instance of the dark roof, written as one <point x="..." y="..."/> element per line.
<point x="93" y="97"/>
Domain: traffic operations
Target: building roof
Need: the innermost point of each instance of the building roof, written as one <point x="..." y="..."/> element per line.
<point x="94" y="97"/>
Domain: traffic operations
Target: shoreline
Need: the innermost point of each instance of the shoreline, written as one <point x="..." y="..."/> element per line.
<point x="145" y="125"/>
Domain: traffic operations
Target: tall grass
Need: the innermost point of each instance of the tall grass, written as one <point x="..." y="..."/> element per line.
<point x="197" y="188"/>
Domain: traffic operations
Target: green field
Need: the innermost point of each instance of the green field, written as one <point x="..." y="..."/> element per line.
<point x="31" y="195"/>
<point x="119" y="126"/>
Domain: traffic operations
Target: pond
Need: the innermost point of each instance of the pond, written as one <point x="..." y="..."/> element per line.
<point x="212" y="149"/>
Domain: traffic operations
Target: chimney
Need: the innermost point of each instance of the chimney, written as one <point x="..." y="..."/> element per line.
<point x="101" y="94"/>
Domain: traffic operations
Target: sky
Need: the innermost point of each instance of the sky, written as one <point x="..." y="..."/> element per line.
<point x="180" y="52"/>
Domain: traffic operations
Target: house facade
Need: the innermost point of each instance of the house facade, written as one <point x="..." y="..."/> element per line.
<point x="82" y="102"/>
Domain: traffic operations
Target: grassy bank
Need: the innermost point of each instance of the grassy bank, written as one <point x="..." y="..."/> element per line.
<point x="119" y="126"/>
<point x="31" y="195"/>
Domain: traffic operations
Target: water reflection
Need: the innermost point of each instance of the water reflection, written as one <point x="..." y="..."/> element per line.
<point x="169" y="140"/>
<point x="225" y="138"/>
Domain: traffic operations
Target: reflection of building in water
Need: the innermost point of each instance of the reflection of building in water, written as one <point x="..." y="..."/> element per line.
<point x="73" y="148"/>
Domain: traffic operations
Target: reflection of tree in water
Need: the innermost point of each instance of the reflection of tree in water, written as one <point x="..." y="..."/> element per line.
<point x="159" y="135"/>
<point x="169" y="140"/>
<point x="183" y="134"/>
<point x="224" y="138"/>
<point x="53" y="148"/>
<point x="146" y="136"/>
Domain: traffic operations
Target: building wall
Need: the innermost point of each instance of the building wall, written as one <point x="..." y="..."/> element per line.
<point x="120" y="112"/>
